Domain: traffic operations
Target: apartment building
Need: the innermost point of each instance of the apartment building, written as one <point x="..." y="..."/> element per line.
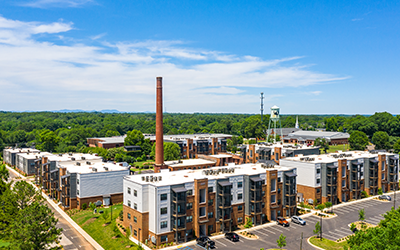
<point x="180" y="205"/>
<point x="28" y="162"/>
<point x="308" y="137"/>
<point x="190" y="144"/>
<point x="339" y="177"/>
<point x="254" y="153"/>
<point x="10" y="154"/>
<point x="203" y="161"/>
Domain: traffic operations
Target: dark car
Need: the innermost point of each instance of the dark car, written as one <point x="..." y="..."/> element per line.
<point x="232" y="236"/>
<point x="282" y="221"/>
<point x="385" y="197"/>
<point x="204" y="241"/>
<point x="298" y="220"/>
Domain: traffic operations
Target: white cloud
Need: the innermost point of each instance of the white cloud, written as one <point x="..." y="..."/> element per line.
<point x="316" y="92"/>
<point x="357" y="19"/>
<point x="55" y="3"/>
<point x="41" y="75"/>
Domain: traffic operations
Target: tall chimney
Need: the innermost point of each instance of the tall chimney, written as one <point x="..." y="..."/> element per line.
<point x="159" y="128"/>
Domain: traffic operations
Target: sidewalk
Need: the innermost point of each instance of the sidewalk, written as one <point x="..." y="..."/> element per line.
<point x="63" y="214"/>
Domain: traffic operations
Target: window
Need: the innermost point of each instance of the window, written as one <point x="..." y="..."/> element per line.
<point x="135" y="192"/>
<point x="189" y="205"/>
<point x="77" y="192"/>
<point x="240" y="184"/>
<point x="273" y="185"/>
<point x="318" y="170"/>
<point x="129" y="216"/>
<point x="129" y="203"/>
<point x="189" y="218"/>
<point x="135" y="206"/>
<point x="77" y="181"/>
<point x="210" y="215"/>
<point x="135" y="219"/>
<point x="164" y="210"/>
<point x="240" y="219"/>
<point x="263" y="204"/>
<point x="240" y="196"/>
<point x="210" y="202"/>
<point x="202" y="197"/>
<point x="343" y="183"/>
<point x="210" y="228"/>
<point x="240" y="207"/>
<point x="383" y="176"/>
<point x="77" y="203"/>
<point x="135" y="232"/>
<point x="383" y="166"/>
<point x="318" y="190"/>
<point x="210" y="189"/>
<point x="189" y="192"/>
<point x="164" y="238"/>
<point x="164" y="224"/>
<point x="164" y="197"/>
<point x="273" y="198"/>
<point x="129" y="190"/>
<point x="318" y="181"/>
<point x="202" y="211"/>
<point x="343" y="171"/>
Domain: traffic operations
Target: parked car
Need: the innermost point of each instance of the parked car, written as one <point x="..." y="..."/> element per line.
<point x="232" y="236"/>
<point x="298" y="220"/>
<point x="282" y="221"/>
<point x="385" y="197"/>
<point x="204" y="241"/>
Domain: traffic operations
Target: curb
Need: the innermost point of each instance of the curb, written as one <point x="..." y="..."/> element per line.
<point x="308" y="241"/>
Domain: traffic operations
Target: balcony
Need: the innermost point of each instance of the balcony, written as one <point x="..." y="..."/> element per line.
<point x="224" y="205"/>
<point x="180" y="227"/>
<point x="226" y="217"/>
<point x="290" y="194"/>
<point x="331" y="183"/>
<point x="255" y="187"/>
<point x="256" y="211"/>
<point x="331" y="173"/>
<point x="65" y="195"/>
<point x="178" y="213"/>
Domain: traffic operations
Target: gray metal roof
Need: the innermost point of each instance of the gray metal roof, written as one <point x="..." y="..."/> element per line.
<point x="312" y="135"/>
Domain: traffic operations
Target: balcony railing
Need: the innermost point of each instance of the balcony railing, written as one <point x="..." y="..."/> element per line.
<point x="226" y="217"/>
<point x="224" y="205"/>
<point x="179" y="227"/>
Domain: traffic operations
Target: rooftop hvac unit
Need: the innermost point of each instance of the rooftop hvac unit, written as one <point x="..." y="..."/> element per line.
<point x="94" y="169"/>
<point x="159" y="178"/>
<point x="106" y="168"/>
<point x="151" y="178"/>
<point x="70" y="154"/>
<point x="155" y="178"/>
<point x="143" y="178"/>
<point x="83" y="158"/>
<point x="204" y="172"/>
<point x="72" y="159"/>
<point x="147" y="179"/>
<point x="78" y="163"/>
<point x="88" y="163"/>
<point x="207" y="172"/>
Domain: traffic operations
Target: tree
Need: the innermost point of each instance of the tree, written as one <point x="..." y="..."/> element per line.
<point x="249" y="223"/>
<point x="281" y="241"/>
<point x="4" y="174"/>
<point x="106" y="215"/>
<point x="92" y="206"/>
<point x="35" y="228"/>
<point x="361" y="215"/>
<point x="381" y="140"/>
<point x="317" y="229"/>
<point x="328" y="204"/>
<point x="396" y="146"/>
<point x="171" y="151"/>
<point x="380" y="192"/>
<point x="358" y="140"/>
<point x="384" y="236"/>
<point x="48" y="141"/>
<point x="323" y="143"/>
<point x="134" y="138"/>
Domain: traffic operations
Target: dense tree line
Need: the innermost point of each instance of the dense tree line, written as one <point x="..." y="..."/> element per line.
<point x="67" y="132"/>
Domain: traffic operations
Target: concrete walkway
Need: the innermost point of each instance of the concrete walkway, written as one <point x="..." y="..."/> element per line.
<point x="63" y="214"/>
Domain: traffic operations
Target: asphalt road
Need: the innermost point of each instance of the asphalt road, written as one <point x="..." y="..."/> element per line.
<point x="70" y="238"/>
<point x="333" y="229"/>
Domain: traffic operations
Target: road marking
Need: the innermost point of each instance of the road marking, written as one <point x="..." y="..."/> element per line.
<point x="338" y="235"/>
<point x="219" y="242"/>
<point x="228" y="241"/>
<point x="276" y="229"/>
<point x="269" y="231"/>
<point x="262" y="233"/>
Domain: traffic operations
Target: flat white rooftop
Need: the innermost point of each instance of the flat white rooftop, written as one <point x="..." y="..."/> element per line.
<point x="221" y="156"/>
<point x="34" y="155"/>
<point x="334" y="157"/>
<point x="187" y="163"/>
<point x="84" y="168"/>
<point x="76" y="156"/>
<point x="22" y="150"/>
<point x="187" y="176"/>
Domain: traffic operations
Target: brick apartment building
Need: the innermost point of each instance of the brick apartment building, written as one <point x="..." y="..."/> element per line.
<point x="204" y="161"/>
<point x="339" y="177"/>
<point x="180" y="205"/>
<point x="190" y="144"/>
<point x="75" y="179"/>
<point x="254" y="153"/>
<point x="10" y="154"/>
<point x="308" y="137"/>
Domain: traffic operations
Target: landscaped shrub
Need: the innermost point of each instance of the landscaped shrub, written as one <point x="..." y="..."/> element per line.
<point x="84" y="206"/>
<point x="121" y="215"/>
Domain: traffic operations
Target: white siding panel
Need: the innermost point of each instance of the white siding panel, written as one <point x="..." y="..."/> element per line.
<point x="306" y="172"/>
<point x="101" y="183"/>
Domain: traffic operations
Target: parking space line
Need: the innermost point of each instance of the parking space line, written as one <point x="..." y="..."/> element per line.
<point x="262" y="233"/>
<point x="276" y="229"/>
<point x="268" y="231"/>
<point x="228" y="241"/>
<point x="219" y="242"/>
<point x="312" y="218"/>
<point x="341" y="234"/>
<point x="327" y="235"/>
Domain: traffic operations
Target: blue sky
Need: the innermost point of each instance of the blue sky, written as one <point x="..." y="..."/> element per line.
<point x="336" y="57"/>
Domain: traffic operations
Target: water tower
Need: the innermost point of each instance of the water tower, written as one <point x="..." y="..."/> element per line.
<point x="275" y="119"/>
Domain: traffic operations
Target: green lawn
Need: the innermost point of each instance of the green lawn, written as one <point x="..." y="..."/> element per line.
<point x="333" y="149"/>
<point x="140" y="164"/>
<point x="93" y="225"/>
<point x="328" y="244"/>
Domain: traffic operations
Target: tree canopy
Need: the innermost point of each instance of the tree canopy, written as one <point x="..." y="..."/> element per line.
<point x="358" y="140"/>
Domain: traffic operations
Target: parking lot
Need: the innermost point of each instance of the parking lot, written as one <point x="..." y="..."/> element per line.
<point x="333" y="229"/>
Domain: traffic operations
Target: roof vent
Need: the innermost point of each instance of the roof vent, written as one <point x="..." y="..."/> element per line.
<point x="159" y="178"/>
<point x="83" y="158"/>
<point x="143" y="178"/>
<point x="78" y="163"/>
<point x="70" y="154"/>
<point x="88" y="163"/>
<point x="94" y="169"/>
<point x="106" y="168"/>
<point x="72" y="158"/>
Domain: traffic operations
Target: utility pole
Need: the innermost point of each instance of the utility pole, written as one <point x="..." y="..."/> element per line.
<point x="301" y="241"/>
<point x="320" y="219"/>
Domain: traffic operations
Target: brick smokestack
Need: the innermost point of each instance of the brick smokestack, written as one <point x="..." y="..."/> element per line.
<point x="159" y="128"/>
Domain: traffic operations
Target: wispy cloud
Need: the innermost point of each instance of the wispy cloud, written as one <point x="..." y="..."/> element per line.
<point x="98" y="36"/>
<point x="316" y="92"/>
<point x="357" y="19"/>
<point x="122" y="75"/>
<point x="43" y="4"/>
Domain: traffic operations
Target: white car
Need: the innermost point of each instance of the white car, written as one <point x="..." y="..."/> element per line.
<point x="298" y="220"/>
